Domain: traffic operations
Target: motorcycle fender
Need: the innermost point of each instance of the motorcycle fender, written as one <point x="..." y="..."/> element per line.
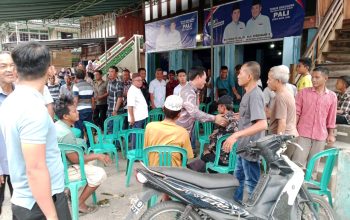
<point x="139" y="202"/>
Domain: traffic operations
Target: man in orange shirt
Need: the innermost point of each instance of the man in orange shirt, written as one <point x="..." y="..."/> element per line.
<point x="168" y="132"/>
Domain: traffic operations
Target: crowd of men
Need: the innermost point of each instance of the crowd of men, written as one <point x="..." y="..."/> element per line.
<point x="30" y="160"/>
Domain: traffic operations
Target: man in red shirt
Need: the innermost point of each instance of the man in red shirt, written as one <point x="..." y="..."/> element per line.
<point x="316" y="109"/>
<point x="171" y="84"/>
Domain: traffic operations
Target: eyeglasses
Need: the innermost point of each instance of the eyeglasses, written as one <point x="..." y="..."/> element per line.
<point x="138" y="80"/>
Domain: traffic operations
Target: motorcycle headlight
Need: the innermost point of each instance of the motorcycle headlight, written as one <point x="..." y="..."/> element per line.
<point x="141" y="178"/>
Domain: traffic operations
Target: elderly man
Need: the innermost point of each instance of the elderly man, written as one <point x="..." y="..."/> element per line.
<point x="7" y="78"/>
<point x="343" y="95"/>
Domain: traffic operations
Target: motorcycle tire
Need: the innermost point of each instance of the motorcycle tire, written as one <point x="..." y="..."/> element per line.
<point x="168" y="210"/>
<point x="323" y="210"/>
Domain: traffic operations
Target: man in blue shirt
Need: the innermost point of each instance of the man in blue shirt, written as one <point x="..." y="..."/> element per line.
<point x="34" y="158"/>
<point x="225" y="85"/>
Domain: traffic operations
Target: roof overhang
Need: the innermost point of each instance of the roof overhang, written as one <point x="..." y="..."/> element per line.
<point x="67" y="43"/>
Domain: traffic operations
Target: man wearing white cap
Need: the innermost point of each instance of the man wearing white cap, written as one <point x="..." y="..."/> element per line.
<point x="168" y="133"/>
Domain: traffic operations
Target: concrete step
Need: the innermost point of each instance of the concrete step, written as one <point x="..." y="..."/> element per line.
<point x="343" y="135"/>
<point x="340" y="43"/>
<point x="343" y="33"/>
<point x="346" y="23"/>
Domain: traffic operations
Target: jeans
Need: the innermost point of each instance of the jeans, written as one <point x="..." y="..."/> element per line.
<point x="2" y="189"/>
<point x="99" y="115"/>
<point x="84" y="115"/>
<point x="193" y="137"/>
<point x="60" y="201"/>
<point x="246" y="172"/>
<point x="137" y="124"/>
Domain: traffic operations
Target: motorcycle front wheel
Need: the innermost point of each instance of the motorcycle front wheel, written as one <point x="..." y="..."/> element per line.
<point x="168" y="210"/>
<point x="320" y="207"/>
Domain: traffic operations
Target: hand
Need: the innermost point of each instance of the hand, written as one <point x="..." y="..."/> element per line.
<point x="153" y="106"/>
<point x="330" y="140"/>
<point x="230" y="141"/>
<point x="238" y="96"/>
<point x="220" y="120"/>
<point x="132" y="121"/>
<point x="114" y="113"/>
<point x="2" y="180"/>
<point x="105" y="159"/>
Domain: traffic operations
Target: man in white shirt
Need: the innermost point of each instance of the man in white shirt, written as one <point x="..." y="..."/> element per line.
<point x="182" y="78"/>
<point x="234" y="31"/>
<point x="161" y="41"/>
<point x="259" y="25"/>
<point x="137" y="105"/>
<point x="157" y="90"/>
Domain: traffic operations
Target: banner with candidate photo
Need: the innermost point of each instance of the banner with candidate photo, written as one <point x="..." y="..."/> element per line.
<point x="249" y="21"/>
<point x="172" y="34"/>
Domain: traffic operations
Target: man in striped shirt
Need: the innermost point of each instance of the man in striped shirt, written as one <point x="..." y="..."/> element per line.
<point x="83" y="94"/>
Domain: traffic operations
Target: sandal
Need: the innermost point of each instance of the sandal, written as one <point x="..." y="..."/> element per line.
<point x="89" y="210"/>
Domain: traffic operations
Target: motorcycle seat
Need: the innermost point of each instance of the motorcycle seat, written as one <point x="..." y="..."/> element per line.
<point x="203" y="180"/>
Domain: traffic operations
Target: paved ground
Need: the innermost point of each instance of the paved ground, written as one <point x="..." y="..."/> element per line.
<point x="114" y="185"/>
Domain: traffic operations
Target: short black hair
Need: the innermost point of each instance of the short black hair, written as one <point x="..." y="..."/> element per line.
<point x="140" y="69"/>
<point x="180" y="71"/>
<point x="171" y="72"/>
<point x="223" y="68"/>
<point x="322" y="69"/>
<point x="80" y="74"/>
<point x="170" y="114"/>
<point x="196" y="71"/>
<point x="306" y="62"/>
<point x="32" y="60"/>
<point x="99" y="71"/>
<point x="62" y="107"/>
<point x="114" y="67"/>
<point x="238" y="67"/>
<point x="346" y="80"/>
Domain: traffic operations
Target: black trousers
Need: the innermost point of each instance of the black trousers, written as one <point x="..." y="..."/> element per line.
<point x="99" y="115"/>
<point x="2" y="189"/>
<point x="61" y="204"/>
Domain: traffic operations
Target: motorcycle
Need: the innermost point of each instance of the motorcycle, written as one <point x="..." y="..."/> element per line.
<point x="280" y="194"/>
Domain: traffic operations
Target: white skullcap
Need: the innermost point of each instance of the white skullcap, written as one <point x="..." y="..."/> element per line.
<point x="173" y="103"/>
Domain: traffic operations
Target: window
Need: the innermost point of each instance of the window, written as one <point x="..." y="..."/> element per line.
<point x="65" y="35"/>
<point x="34" y="36"/>
<point x="147" y="11"/>
<point x="184" y="5"/>
<point x="44" y="37"/>
<point x="164" y="8"/>
<point x="23" y="37"/>
<point x="172" y="6"/>
<point x="13" y="37"/>
<point x="155" y="9"/>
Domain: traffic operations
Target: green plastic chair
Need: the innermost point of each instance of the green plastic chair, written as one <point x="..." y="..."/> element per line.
<point x="207" y="107"/>
<point x="76" y="132"/>
<point x="74" y="186"/>
<point x="204" y="138"/>
<point x="202" y="107"/>
<point x="101" y="146"/>
<point x="116" y="135"/>
<point x="331" y="157"/>
<point x="156" y="114"/>
<point x="165" y="158"/>
<point x="236" y="108"/>
<point x="134" y="154"/>
<point x="232" y="158"/>
<point x="165" y="154"/>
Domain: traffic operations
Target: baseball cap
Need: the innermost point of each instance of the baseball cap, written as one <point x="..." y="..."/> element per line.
<point x="225" y="100"/>
<point x="173" y="103"/>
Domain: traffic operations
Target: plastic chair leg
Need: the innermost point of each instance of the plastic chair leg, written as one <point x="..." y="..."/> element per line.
<point x="94" y="198"/>
<point x="116" y="159"/>
<point x="329" y="195"/>
<point x="201" y="148"/>
<point x="152" y="201"/>
<point x="129" y="171"/>
<point x="75" y="203"/>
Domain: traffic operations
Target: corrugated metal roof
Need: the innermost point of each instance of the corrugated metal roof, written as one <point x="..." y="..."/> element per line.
<point x="18" y="10"/>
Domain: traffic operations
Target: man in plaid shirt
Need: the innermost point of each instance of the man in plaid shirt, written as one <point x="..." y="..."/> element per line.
<point x="343" y="95"/>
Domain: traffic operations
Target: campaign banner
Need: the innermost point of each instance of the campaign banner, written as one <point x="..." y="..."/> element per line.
<point x="172" y="34"/>
<point x="249" y="21"/>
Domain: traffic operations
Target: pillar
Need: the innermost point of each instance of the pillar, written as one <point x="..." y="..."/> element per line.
<point x="291" y="50"/>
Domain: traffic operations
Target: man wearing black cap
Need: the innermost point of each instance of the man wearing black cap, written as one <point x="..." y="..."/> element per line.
<point x="234" y="30"/>
<point x="303" y="68"/>
<point x="343" y="95"/>
<point x="259" y="25"/>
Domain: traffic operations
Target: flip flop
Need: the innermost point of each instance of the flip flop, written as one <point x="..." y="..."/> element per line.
<point x="89" y="210"/>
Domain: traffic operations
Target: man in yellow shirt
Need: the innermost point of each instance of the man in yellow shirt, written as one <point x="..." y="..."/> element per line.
<point x="167" y="132"/>
<point x="303" y="68"/>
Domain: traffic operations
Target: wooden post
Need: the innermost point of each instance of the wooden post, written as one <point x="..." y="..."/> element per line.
<point x="342" y="191"/>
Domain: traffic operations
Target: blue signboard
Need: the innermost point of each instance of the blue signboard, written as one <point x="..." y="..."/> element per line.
<point x="248" y="21"/>
<point x="172" y="34"/>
